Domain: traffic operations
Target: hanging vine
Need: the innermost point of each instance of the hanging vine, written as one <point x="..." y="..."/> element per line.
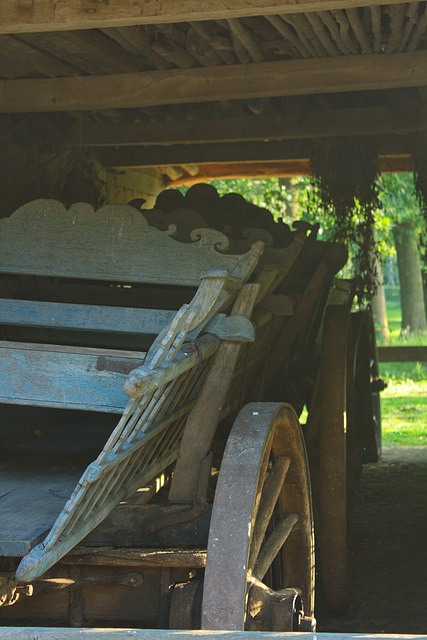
<point x="344" y="177"/>
<point x="419" y="157"/>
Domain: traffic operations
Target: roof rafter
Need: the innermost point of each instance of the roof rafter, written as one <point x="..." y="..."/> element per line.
<point x="278" y="169"/>
<point x="318" y="123"/>
<point x="234" y="152"/>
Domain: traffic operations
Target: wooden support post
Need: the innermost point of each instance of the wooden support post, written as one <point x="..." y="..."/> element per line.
<point x="202" y="421"/>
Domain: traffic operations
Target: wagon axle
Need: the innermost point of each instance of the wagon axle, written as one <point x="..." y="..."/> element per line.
<point x="270" y="610"/>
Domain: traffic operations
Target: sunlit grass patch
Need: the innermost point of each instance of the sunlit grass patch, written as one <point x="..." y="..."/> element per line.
<point x="404" y="412"/>
<point x="402" y="373"/>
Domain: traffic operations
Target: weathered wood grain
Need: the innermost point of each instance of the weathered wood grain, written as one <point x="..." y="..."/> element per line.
<point x="316" y="124"/>
<point x="239" y="152"/>
<point x="39" y="467"/>
<point x="114" y="243"/>
<point x="202" y="421"/>
<point x="287" y="336"/>
<point x="136" y="557"/>
<point x="147" y="437"/>
<point x="257" y="80"/>
<point x="67" y="377"/>
<point x="45" y="633"/>
<point x="83" y="317"/>
<point x="402" y="354"/>
<point x="42" y="15"/>
<point x="134" y="453"/>
<point x="55" y="315"/>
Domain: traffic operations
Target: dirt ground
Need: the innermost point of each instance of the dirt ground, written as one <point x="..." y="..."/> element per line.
<point x="389" y="548"/>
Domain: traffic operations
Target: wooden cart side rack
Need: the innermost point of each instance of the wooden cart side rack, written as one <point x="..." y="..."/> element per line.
<point x="116" y="244"/>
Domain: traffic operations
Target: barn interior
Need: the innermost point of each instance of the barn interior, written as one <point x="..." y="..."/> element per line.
<point x="171" y="95"/>
<point x="110" y="101"/>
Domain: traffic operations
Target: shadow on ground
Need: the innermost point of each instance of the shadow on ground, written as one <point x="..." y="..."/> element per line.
<point x="389" y="579"/>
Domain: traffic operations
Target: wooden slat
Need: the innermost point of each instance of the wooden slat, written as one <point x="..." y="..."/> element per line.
<point x="258" y="80"/>
<point x="45" y="633"/>
<point x="66" y="377"/>
<point x="56" y="315"/>
<point x="14" y="49"/>
<point x="117" y="320"/>
<point x="102" y="51"/>
<point x="402" y="354"/>
<point x="48" y="15"/>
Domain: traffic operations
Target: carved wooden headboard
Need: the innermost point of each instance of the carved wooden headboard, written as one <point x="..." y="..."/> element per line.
<point x="114" y="243"/>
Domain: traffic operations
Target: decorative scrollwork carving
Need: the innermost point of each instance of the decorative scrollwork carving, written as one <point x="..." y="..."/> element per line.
<point x="211" y="237"/>
<point x="253" y="234"/>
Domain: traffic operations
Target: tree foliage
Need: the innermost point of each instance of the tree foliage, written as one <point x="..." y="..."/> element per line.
<point x="295" y="198"/>
<point x="399" y="205"/>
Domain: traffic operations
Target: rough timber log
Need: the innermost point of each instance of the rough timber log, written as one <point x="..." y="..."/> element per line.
<point x="50" y="15"/>
<point x="258" y="80"/>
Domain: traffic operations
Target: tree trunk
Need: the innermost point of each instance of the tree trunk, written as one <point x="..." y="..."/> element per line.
<point x="390" y="274"/>
<point x="411" y="285"/>
<point x="379" y="309"/>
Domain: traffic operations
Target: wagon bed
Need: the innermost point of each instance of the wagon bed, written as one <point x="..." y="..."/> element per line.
<point x="104" y="314"/>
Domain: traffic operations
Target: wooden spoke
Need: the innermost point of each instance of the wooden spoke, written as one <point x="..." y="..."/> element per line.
<point x="273" y="545"/>
<point x="253" y="525"/>
<point x="269" y="496"/>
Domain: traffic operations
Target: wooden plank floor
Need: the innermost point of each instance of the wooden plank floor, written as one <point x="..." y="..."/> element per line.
<point x="42" y="455"/>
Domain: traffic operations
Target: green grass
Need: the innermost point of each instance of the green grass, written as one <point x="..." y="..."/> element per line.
<point x="394" y="313"/>
<point x="404" y="402"/>
<point x="404" y="412"/>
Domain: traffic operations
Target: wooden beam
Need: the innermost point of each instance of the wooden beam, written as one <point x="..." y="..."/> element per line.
<point x="233" y="152"/>
<point x="68" y="633"/>
<point x="402" y="354"/>
<point x="232" y="170"/>
<point x="258" y="80"/>
<point x="203" y="153"/>
<point x="279" y="169"/>
<point x="131" y="557"/>
<point x="18" y="16"/>
<point x="313" y="124"/>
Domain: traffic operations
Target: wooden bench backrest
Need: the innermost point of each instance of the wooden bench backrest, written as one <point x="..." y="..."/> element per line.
<point x="114" y="243"/>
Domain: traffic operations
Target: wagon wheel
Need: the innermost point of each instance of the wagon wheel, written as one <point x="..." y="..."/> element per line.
<point x="367" y="386"/>
<point x="261" y="529"/>
<point x="337" y="457"/>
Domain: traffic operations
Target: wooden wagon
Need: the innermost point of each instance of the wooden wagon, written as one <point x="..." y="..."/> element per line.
<point x="193" y="510"/>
